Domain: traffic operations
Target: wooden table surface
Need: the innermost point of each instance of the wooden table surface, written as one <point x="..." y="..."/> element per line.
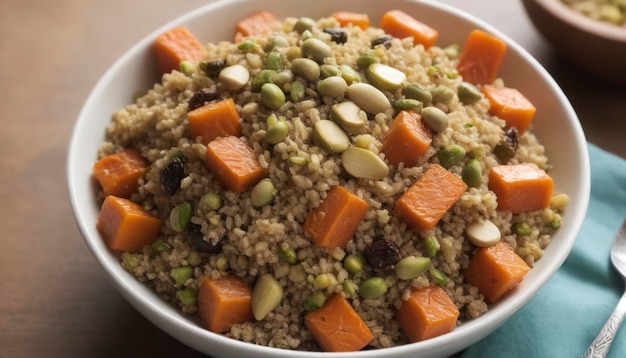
<point x="55" y="301"/>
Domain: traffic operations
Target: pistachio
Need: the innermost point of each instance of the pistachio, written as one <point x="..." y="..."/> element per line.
<point x="435" y="119"/>
<point x="366" y="59"/>
<point x="330" y="137"/>
<point x="332" y="87"/>
<point x="472" y="173"/>
<point x="349" y="74"/>
<point x="407" y="104"/>
<point x="450" y="155"/>
<point x="274" y="61"/>
<point x="348" y="115"/>
<point x="316" y="49"/>
<point x="272" y="96"/>
<point x="416" y="91"/>
<point x="361" y="163"/>
<point x="306" y="68"/>
<point x="368" y="97"/>
<point x="373" y="288"/>
<point x="303" y="24"/>
<point x="468" y="93"/>
<point x="282" y="78"/>
<point x="266" y="296"/>
<point x="329" y="70"/>
<point x="263" y="193"/>
<point x="442" y="94"/>
<point x="385" y="77"/>
<point x="233" y="78"/>
<point x="263" y="77"/>
<point x="411" y="267"/>
<point x="297" y="91"/>
<point x="483" y="233"/>
<point x="277" y="132"/>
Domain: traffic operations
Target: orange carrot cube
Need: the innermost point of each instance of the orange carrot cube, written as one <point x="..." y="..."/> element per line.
<point x="495" y="270"/>
<point x="119" y="173"/>
<point x="234" y="163"/>
<point x="125" y="225"/>
<point x="427" y="313"/>
<point x="429" y="198"/>
<point x="481" y="57"/>
<point x="521" y="187"/>
<point x="406" y="140"/>
<point x="399" y="24"/>
<point x="333" y="223"/>
<point x="510" y="105"/>
<point x="176" y="45"/>
<point x="215" y="119"/>
<point x="224" y="302"/>
<point x="336" y="326"/>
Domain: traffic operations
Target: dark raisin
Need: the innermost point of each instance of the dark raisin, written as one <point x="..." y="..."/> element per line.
<point x="171" y="175"/>
<point x="505" y="150"/>
<point x="383" y="40"/>
<point x="212" y="68"/>
<point x="339" y="36"/>
<point x="382" y="253"/>
<point x="201" y="97"/>
<point x="196" y="240"/>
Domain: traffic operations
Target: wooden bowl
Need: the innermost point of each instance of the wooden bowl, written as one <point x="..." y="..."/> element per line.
<point x="597" y="47"/>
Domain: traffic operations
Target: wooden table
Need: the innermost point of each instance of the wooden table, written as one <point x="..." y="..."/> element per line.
<point x="55" y="301"/>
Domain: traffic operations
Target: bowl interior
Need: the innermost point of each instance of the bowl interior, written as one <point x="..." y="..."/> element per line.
<point x="556" y="126"/>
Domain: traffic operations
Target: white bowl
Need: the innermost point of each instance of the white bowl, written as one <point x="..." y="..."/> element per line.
<point x="556" y="125"/>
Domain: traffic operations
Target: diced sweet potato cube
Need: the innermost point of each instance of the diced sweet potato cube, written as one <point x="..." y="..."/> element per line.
<point x="495" y="270"/>
<point x="521" y="187"/>
<point x="234" y="163"/>
<point x="224" y="302"/>
<point x="406" y="140"/>
<point x="429" y="198"/>
<point x="333" y="223"/>
<point x="119" y="173"/>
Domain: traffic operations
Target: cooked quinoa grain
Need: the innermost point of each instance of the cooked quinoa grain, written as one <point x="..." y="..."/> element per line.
<point x="259" y="232"/>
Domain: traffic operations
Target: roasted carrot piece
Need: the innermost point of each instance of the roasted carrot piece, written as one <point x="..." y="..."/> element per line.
<point x="495" y="270"/>
<point x="406" y="140"/>
<point x="223" y="302"/>
<point x="481" y="57"/>
<point x="399" y="24"/>
<point x="427" y="313"/>
<point x="234" y="163"/>
<point x="429" y="198"/>
<point x="125" y="225"/>
<point x="119" y="173"/>
<point x="336" y="326"/>
<point x="176" y="45"/>
<point x="259" y="23"/>
<point x="215" y="119"/>
<point x="521" y="187"/>
<point x="510" y="105"/>
<point x="333" y="223"/>
<point x="346" y="18"/>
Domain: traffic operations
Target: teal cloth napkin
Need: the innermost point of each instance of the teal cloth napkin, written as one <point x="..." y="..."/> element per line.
<point x="568" y="312"/>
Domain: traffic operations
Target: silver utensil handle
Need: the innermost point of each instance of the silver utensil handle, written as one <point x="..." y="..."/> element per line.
<point x="600" y="346"/>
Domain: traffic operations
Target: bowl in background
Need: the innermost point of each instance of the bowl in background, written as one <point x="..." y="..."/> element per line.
<point x="555" y="125"/>
<point x="596" y="46"/>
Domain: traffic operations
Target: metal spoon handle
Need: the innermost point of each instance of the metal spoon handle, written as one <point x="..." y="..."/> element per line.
<point x="600" y="346"/>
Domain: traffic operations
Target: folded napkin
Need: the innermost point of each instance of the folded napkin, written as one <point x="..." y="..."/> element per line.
<point x="568" y="312"/>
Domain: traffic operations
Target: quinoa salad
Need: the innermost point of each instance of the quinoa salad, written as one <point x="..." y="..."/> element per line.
<point x="313" y="168"/>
